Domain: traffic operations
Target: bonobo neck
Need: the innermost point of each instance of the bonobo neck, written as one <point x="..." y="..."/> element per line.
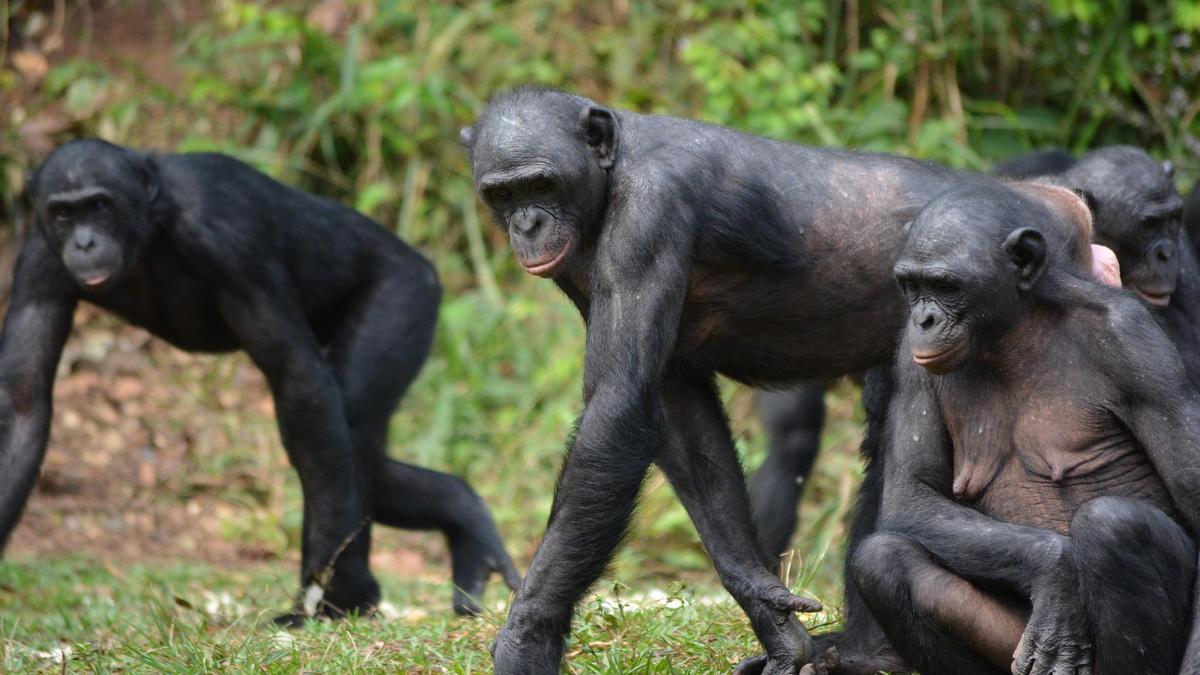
<point x="1026" y="339"/>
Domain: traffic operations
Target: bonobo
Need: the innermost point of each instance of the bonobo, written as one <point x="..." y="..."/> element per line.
<point x="211" y="255"/>
<point x="1038" y="163"/>
<point x="690" y="250"/>
<point x="1039" y="499"/>
<point x="1191" y="217"/>
<point x="1138" y="215"/>
<point x="792" y="420"/>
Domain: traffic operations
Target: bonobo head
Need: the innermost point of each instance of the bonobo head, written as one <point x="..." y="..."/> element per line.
<point x="540" y="159"/>
<point x="1137" y="215"/>
<point x="975" y="259"/>
<point x="91" y="200"/>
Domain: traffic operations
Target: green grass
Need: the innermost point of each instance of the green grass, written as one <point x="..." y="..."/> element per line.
<point x="74" y="615"/>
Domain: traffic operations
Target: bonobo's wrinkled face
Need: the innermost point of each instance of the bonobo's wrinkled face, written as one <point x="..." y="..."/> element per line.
<point x="957" y="273"/>
<point x="540" y="162"/>
<point x="90" y="199"/>
<point x="1138" y="216"/>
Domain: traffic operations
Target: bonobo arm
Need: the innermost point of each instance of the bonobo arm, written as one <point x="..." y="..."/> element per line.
<point x="265" y="315"/>
<point x="35" y="329"/>
<point x="917" y="501"/>
<point x="639" y="278"/>
<point x="1161" y="407"/>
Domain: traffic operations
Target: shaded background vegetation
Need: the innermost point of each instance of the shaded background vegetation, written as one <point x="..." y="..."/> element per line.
<point x="156" y="454"/>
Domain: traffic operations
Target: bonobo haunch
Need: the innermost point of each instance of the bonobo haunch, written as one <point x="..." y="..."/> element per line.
<point x="1039" y="499"/>
<point x="211" y="255"/>
<point x="690" y="250"/>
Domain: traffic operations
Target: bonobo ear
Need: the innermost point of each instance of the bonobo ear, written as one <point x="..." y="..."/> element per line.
<point x="599" y="127"/>
<point x="466" y="136"/>
<point x="1089" y="199"/>
<point x="1026" y="250"/>
<point x="1169" y="168"/>
<point x="150" y="178"/>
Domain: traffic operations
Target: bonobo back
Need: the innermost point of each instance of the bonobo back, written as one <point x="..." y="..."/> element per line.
<point x="781" y="253"/>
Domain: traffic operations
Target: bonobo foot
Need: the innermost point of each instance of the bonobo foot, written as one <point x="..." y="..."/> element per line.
<point x="525" y="647"/>
<point x="352" y="591"/>
<point x="475" y="552"/>
<point x="301" y="615"/>
<point x="830" y="659"/>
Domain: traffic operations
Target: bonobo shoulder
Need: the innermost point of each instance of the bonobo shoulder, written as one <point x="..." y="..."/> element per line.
<point x="1131" y="346"/>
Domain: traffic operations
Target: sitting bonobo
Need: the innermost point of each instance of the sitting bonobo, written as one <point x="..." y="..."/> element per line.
<point x="211" y="255"/>
<point x="1040" y="489"/>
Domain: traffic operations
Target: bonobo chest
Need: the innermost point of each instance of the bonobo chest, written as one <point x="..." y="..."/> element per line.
<point x="170" y="302"/>
<point x="1032" y="452"/>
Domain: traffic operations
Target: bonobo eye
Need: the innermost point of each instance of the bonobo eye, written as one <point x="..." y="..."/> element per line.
<point x="542" y="185"/>
<point x="499" y="194"/>
<point x="100" y="204"/>
<point x="60" y="213"/>
<point x="943" y="287"/>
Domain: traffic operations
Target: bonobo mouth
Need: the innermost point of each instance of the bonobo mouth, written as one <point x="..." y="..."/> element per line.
<point x="96" y="279"/>
<point x="942" y="361"/>
<point x="1158" y="299"/>
<point x="548" y="267"/>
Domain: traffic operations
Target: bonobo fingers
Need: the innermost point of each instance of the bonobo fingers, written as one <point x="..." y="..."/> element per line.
<point x="751" y="666"/>
<point x="786" y="601"/>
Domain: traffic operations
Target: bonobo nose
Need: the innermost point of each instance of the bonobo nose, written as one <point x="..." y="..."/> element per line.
<point x="1164" y="250"/>
<point x="83" y="240"/>
<point x="531" y="220"/>
<point x="928" y="318"/>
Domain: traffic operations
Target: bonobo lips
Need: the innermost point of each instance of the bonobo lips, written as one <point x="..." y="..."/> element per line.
<point x="96" y="278"/>
<point x="1156" y="299"/>
<point x="546" y="268"/>
<point x="934" y="361"/>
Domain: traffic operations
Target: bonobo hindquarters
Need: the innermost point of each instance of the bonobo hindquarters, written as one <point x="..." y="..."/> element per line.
<point x="1039" y="498"/>
<point x="211" y="255"/>
<point x="690" y="250"/>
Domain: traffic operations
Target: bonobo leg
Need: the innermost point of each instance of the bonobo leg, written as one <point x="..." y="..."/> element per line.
<point x="940" y="621"/>
<point x="376" y="354"/>
<point x="701" y="462"/>
<point x="861" y="647"/>
<point x="1132" y="561"/>
<point x="793" y="420"/>
<point x="1135" y="565"/>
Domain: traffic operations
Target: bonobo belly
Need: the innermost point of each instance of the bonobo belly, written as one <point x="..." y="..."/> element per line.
<point x="182" y="312"/>
<point x="1029" y="493"/>
<point x="762" y="329"/>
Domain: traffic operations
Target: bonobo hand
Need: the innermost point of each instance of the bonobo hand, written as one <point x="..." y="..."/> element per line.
<point x="527" y="647"/>
<point x="475" y="552"/>
<point x="789" y="648"/>
<point x="1056" y="639"/>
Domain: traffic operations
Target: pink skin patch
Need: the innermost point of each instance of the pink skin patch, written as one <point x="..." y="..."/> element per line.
<point x="1105" y="267"/>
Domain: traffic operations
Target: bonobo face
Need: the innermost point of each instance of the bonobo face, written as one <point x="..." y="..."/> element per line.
<point x="540" y="161"/>
<point x="90" y="200"/>
<point x="1138" y="216"/>
<point x="962" y="269"/>
<point x="936" y="280"/>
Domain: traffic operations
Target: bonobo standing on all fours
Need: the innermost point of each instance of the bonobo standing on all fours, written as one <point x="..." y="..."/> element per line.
<point x="690" y="250"/>
<point x="211" y="255"/>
